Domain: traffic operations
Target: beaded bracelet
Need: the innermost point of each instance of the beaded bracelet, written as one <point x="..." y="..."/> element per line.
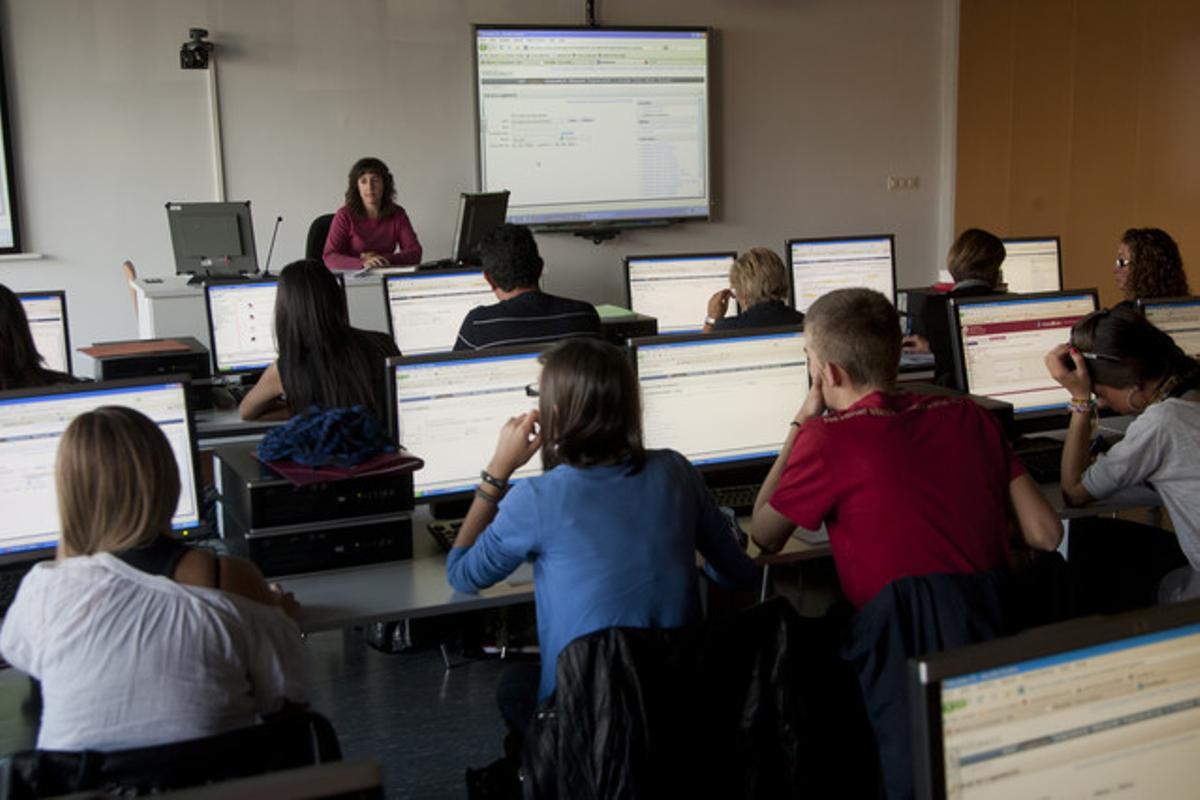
<point x="492" y="480"/>
<point x="1081" y="405"/>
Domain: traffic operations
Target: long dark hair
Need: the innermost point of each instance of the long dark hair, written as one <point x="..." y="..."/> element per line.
<point x="1155" y="268"/>
<point x="321" y="361"/>
<point x="20" y="363"/>
<point x="1130" y="350"/>
<point x="591" y="411"/>
<point x="387" y="204"/>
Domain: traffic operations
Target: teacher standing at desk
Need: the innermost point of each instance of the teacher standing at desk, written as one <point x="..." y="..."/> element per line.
<point x="371" y="230"/>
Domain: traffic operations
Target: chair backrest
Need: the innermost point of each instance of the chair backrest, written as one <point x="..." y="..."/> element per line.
<point x="318" y="232"/>
<point x="130" y="276"/>
<point x="283" y="742"/>
<point x="704" y="711"/>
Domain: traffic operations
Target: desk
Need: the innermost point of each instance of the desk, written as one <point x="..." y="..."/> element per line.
<point x="223" y="426"/>
<point x="173" y="307"/>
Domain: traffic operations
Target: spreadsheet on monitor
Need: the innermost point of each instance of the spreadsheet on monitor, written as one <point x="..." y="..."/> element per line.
<point x="30" y="429"/>
<point x="675" y="290"/>
<point x="427" y="310"/>
<point x="719" y="399"/>
<point x="1031" y="265"/>
<point x="1180" y="319"/>
<point x="450" y="413"/>
<point x="1004" y="344"/>
<point x="821" y="265"/>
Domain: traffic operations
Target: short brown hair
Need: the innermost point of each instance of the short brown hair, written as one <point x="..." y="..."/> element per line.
<point x="591" y="411"/>
<point x="976" y="255"/>
<point x="1155" y="266"/>
<point x="858" y="330"/>
<point x="758" y="275"/>
<point x="117" y="482"/>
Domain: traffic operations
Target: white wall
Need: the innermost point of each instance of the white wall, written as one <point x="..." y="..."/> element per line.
<point x="817" y="101"/>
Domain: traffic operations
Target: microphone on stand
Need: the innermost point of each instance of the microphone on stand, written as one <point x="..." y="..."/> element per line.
<point x="271" y="249"/>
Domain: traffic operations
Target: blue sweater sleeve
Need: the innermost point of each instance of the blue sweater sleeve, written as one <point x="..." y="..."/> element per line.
<point x="501" y="548"/>
<point x="724" y="560"/>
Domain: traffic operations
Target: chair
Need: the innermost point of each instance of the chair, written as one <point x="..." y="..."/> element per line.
<point x="318" y="232"/>
<point x="928" y="614"/>
<point x="282" y="742"/>
<point x="708" y="711"/>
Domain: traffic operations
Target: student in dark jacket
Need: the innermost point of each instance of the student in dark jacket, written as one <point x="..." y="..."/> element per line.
<point x="525" y="314"/>
<point x="20" y="362"/>
<point x="322" y="360"/>
<point x="974" y="262"/>
<point x="760" y="285"/>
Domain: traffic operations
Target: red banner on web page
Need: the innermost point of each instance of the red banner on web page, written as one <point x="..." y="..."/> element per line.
<point x="1020" y="326"/>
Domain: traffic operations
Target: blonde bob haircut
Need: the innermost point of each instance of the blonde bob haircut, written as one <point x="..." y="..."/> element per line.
<point x="117" y="482"/>
<point x="758" y="275"/>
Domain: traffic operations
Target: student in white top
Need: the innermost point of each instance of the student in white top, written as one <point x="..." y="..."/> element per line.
<point x="1135" y="368"/>
<point x="137" y="639"/>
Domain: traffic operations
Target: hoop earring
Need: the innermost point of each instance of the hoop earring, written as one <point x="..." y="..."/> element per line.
<point x="1129" y="401"/>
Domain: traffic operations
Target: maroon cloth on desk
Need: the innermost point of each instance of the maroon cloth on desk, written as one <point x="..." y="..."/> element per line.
<point x="382" y="464"/>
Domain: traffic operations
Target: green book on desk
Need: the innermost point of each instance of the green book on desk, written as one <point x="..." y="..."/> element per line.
<point x="620" y="324"/>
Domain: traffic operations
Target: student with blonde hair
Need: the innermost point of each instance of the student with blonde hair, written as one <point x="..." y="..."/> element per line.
<point x="759" y="283"/>
<point x="137" y="639"/>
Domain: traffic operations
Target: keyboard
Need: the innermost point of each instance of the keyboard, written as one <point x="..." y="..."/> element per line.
<point x="1044" y="464"/>
<point x="444" y="532"/>
<point x="739" y="498"/>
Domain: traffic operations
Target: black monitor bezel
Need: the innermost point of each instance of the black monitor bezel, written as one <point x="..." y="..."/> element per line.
<point x="393" y="421"/>
<point x="1057" y="251"/>
<point x="242" y="207"/>
<point x="732" y="254"/>
<point x="959" y="354"/>
<point x="212" y="338"/>
<point x="428" y="273"/>
<point x="606" y="224"/>
<point x="926" y="674"/>
<point x="62" y="296"/>
<point x="724" y="473"/>
<point x="471" y="200"/>
<point x="41" y="553"/>
<point x="791" y="270"/>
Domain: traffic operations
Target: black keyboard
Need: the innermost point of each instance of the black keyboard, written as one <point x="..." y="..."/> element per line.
<point x="739" y="498"/>
<point x="444" y="532"/>
<point x="1044" y="464"/>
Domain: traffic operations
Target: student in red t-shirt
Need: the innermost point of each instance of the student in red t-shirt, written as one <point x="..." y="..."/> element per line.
<point x="906" y="484"/>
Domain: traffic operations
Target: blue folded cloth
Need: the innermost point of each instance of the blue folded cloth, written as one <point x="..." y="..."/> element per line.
<point x="343" y="437"/>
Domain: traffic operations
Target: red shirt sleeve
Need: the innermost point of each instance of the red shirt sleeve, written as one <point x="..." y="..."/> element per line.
<point x="337" y="252"/>
<point x="806" y="493"/>
<point x="406" y="237"/>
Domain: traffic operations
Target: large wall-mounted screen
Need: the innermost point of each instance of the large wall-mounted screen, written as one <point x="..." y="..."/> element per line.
<point x="594" y="125"/>
<point x="10" y="233"/>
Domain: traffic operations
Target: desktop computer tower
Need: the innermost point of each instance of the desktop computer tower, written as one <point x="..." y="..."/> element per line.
<point x="142" y="358"/>
<point x="287" y="529"/>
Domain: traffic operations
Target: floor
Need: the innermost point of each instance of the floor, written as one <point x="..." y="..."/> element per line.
<point x="425" y="724"/>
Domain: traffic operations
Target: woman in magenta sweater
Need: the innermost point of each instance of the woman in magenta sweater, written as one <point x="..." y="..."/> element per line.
<point x="371" y="230"/>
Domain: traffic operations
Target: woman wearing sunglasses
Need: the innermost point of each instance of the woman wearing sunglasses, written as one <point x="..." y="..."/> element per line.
<point x="1134" y="368"/>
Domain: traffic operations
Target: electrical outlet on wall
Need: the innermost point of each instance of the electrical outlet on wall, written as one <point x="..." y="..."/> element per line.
<point x="896" y="183"/>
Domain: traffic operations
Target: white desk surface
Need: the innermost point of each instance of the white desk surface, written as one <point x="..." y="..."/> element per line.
<point x="215" y="426"/>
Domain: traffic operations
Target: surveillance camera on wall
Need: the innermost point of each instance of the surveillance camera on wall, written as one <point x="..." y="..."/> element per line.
<point x="195" y="51"/>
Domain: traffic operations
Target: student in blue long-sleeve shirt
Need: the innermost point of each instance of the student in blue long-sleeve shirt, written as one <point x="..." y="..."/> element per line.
<point x="611" y="528"/>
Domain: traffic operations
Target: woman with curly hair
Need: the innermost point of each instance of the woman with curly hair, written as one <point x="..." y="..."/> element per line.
<point x="371" y="230"/>
<point x="1149" y="265"/>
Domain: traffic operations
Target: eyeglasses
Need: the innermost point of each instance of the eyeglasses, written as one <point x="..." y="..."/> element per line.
<point x="532" y="390"/>
<point x="1123" y="263"/>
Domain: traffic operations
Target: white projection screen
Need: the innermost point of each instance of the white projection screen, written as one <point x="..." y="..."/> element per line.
<point x="594" y="125"/>
<point x="10" y="238"/>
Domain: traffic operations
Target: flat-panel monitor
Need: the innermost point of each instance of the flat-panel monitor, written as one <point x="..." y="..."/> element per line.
<point x="241" y="325"/>
<point x="1095" y="707"/>
<point x="674" y="289"/>
<point x="1177" y="316"/>
<point x="212" y="239"/>
<point x="478" y="215"/>
<point x="722" y="400"/>
<point x="32" y="422"/>
<point x="47" y="316"/>
<point x="1032" y="264"/>
<point x="594" y="125"/>
<point x="449" y="408"/>
<point x="426" y="309"/>
<point x="818" y="266"/>
<point x="1000" y="343"/>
